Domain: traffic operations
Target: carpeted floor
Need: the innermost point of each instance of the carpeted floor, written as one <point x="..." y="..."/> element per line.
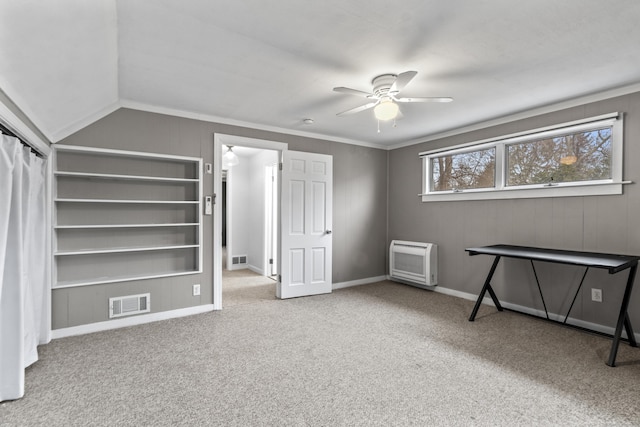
<point x="246" y="287"/>
<point x="374" y="355"/>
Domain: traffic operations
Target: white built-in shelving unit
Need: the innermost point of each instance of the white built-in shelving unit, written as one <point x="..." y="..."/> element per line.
<point x="125" y="215"/>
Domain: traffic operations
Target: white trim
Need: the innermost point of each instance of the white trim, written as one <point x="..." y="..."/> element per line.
<point x="129" y="321"/>
<point x="222" y="120"/>
<point x="17" y="126"/>
<point x="255" y="269"/>
<point x="538" y="133"/>
<point x="217" y="223"/>
<point x="126" y="153"/>
<point x="533" y="192"/>
<point x="539" y="313"/>
<point x="47" y="309"/>
<point x="576" y="102"/>
<point x="74" y="127"/>
<point x="359" y="282"/>
<point x="111" y="176"/>
<point x="501" y="190"/>
<point x="118" y="279"/>
<point x="217" y="189"/>
<point x="261" y="144"/>
<point x="123" y="250"/>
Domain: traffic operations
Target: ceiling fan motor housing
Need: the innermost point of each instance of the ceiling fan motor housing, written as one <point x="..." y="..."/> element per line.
<point x="382" y="84"/>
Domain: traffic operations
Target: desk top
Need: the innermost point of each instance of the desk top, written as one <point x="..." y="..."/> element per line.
<point x="612" y="262"/>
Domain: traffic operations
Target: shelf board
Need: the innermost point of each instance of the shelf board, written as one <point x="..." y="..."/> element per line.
<point x="116" y="279"/>
<point x="94" y="226"/>
<point x="123" y="250"/>
<point x="122" y="177"/>
<point x="156" y="202"/>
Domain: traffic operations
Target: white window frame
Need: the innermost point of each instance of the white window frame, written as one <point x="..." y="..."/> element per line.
<point x="560" y="189"/>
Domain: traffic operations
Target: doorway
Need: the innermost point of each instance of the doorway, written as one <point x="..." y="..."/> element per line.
<point x="251" y="218"/>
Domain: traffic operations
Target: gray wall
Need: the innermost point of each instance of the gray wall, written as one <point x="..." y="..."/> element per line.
<point x="360" y="208"/>
<point x="599" y="223"/>
<point x="359" y="201"/>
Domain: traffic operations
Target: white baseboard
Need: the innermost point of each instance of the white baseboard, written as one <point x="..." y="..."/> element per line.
<point x="358" y="282"/>
<point x="540" y="313"/>
<point x="129" y="321"/>
<point x="255" y="269"/>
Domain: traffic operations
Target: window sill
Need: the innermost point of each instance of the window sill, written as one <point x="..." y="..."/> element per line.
<point x="560" y="190"/>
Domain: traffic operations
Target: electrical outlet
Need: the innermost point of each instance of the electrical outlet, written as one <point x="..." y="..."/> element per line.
<point x="596" y="295"/>
<point x="196" y="290"/>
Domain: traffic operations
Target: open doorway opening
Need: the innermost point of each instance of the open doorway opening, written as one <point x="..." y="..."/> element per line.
<point x="246" y="221"/>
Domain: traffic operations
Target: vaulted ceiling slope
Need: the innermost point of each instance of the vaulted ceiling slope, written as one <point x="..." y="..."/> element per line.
<point x="269" y="65"/>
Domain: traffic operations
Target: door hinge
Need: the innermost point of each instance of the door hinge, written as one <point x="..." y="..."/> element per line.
<point x="280" y="166"/>
<point x="280" y="278"/>
<point x="214" y="198"/>
<point x="271" y="261"/>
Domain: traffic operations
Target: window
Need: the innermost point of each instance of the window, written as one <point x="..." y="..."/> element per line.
<point x="463" y="171"/>
<point x="580" y="156"/>
<point x="572" y="159"/>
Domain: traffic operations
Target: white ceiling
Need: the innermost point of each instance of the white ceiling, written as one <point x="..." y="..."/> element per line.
<point x="269" y="65"/>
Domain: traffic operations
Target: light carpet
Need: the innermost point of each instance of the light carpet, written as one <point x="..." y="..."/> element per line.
<point x="246" y="287"/>
<point x="383" y="354"/>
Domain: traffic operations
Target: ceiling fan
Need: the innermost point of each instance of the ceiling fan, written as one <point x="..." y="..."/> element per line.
<point x="384" y="100"/>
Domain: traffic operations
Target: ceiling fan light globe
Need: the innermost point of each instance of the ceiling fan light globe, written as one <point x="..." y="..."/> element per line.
<point x="386" y="110"/>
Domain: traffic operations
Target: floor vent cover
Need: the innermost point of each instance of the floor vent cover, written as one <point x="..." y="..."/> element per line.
<point x="129" y="305"/>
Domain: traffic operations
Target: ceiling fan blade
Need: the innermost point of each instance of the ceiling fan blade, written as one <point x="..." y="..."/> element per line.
<point x="431" y="99"/>
<point x="402" y="80"/>
<point x="350" y="91"/>
<point x="358" y="109"/>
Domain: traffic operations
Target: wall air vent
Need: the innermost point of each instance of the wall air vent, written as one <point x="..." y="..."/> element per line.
<point x="239" y="259"/>
<point x="129" y="305"/>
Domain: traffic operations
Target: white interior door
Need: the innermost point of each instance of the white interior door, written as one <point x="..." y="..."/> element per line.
<point x="306" y="220"/>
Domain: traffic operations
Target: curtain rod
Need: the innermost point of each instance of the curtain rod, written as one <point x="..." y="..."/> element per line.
<point x="7" y="131"/>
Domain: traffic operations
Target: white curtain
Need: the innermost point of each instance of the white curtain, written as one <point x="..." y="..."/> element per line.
<point x="24" y="281"/>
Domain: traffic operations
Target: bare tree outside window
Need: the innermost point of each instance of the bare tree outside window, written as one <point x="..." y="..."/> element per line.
<point x="582" y="156"/>
<point x="464" y="171"/>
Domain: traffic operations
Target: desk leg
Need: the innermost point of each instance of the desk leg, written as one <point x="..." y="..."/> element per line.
<point x="623" y="319"/>
<point x="485" y="288"/>
<point x="627" y="327"/>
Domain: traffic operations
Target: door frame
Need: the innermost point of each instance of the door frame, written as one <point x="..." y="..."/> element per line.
<point x="271" y="220"/>
<point x="218" y="141"/>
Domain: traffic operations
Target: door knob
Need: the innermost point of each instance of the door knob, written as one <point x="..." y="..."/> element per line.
<point x="328" y="232"/>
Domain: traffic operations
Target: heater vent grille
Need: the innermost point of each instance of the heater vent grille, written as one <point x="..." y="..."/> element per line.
<point x="414" y="263"/>
<point x="129" y="305"/>
<point x="409" y="263"/>
<point x="239" y="259"/>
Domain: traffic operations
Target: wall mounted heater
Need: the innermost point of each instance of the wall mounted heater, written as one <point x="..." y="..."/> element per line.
<point x="414" y="263"/>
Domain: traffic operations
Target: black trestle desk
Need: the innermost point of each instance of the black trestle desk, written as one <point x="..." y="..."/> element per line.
<point x="611" y="262"/>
